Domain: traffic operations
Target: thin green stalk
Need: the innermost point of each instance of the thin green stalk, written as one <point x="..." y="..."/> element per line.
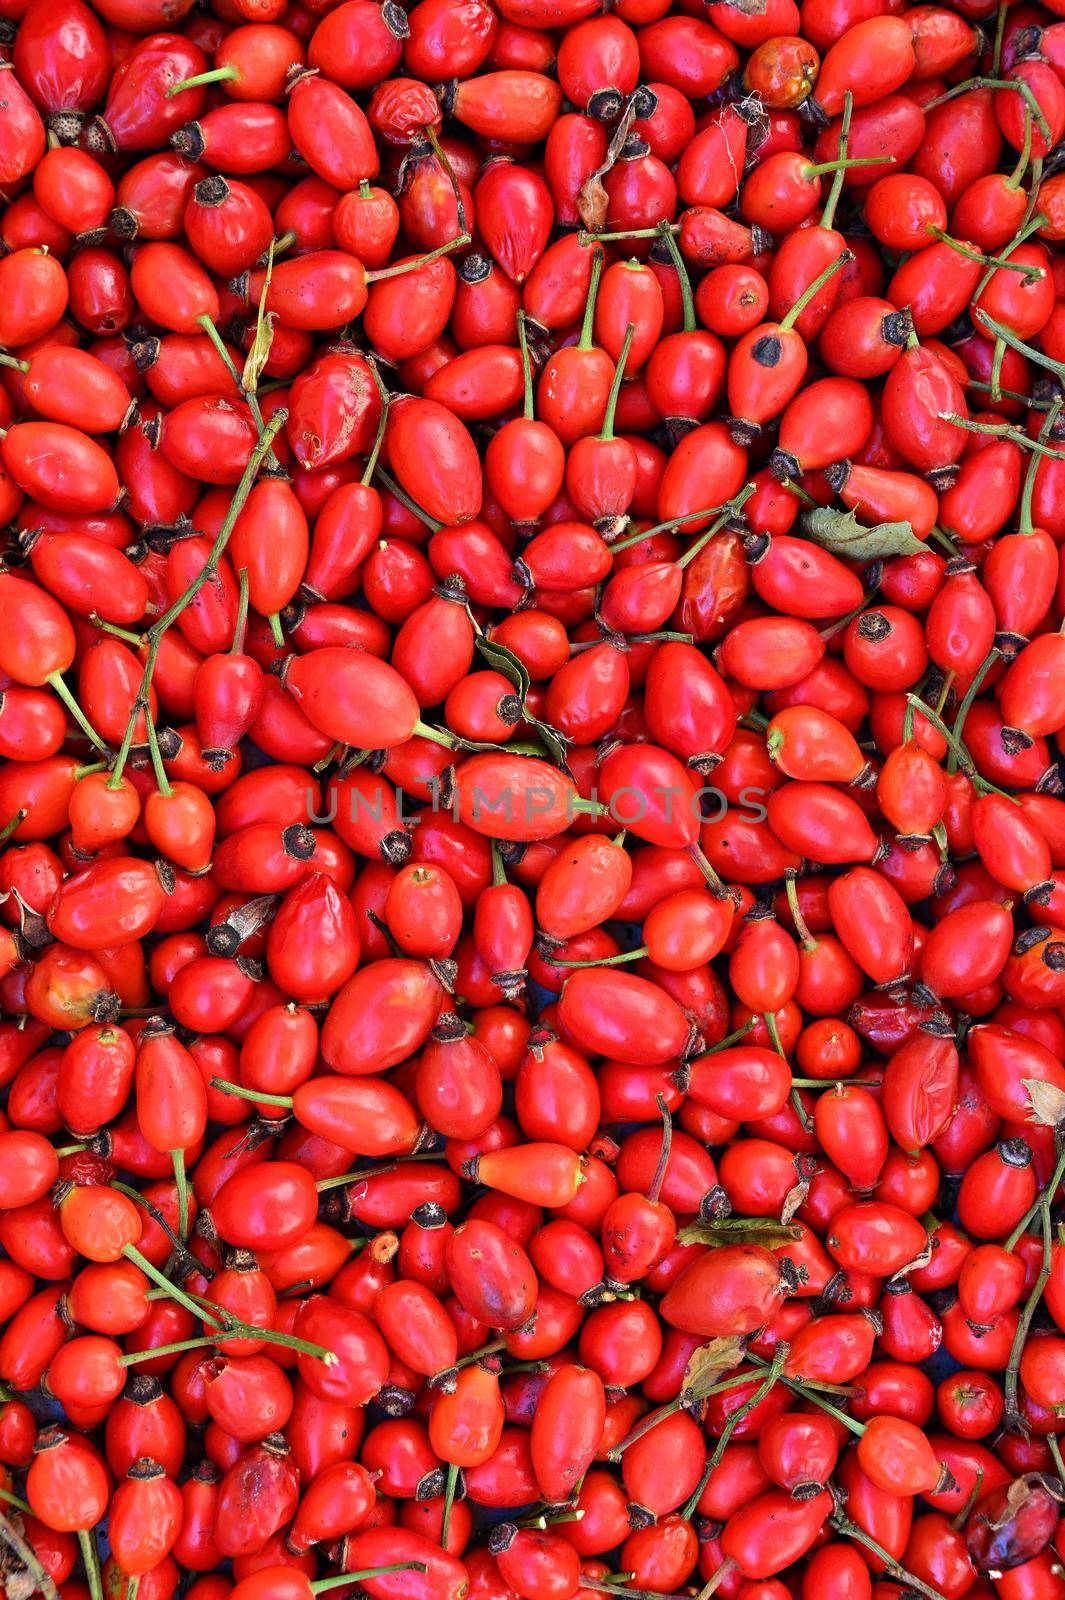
<point x="207" y="571"/>
<point x="731" y="1038"/>
<point x="25" y="1553"/>
<point x="993" y="263"/>
<point x="115" y="632"/>
<point x="402" y="267"/>
<point x="1000" y="35"/>
<point x="607" y="430"/>
<point x="806" y="938"/>
<point x="151" y="1271"/>
<point x="55" y="680"/>
<point x="687" y="299"/>
<point x="1015" y="177"/>
<point x="1049" y="1192"/>
<point x="731" y="510"/>
<point x="405" y="500"/>
<point x="161" y="780"/>
<point x="732" y="1422"/>
<point x="1024" y="512"/>
<point x="131" y="1357"/>
<point x="320" y="1585"/>
<point x="237" y="647"/>
<point x="243" y="388"/>
<point x="91" y="1557"/>
<point x="216" y="75"/>
<point x="789" y="319"/>
<point x="442" y="156"/>
<point x="586" y="342"/>
<point x="449" y="1501"/>
<point x="828" y="215"/>
<point x="1016" y="84"/>
<point x="379" y="437"/>
<point x="13" y="823"/>
<point x="851" y="1530"/>
<point x="529" y="402"/>
<point x="181" y="1183"/>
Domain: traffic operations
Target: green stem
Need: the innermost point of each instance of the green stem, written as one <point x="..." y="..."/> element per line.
<point x="728" y="512"/>
<point x="659" y="1177"/>
<point x="207" y="324"/>
<point x="585" y="341"/>
<point x="125" y="634"/>
<point x="732" y="1422"/>
<point x="224" y="1086"/>
<point x="619" y="960"/>
<point x="10" y="1536"/>
<point x="789" y="318"/>
<point x="181" y="1183"/>
<point x="440" y="736"/>
<point x="210" y="566"/>
<point x="1028" y="226"/>
<point x="405" y="500"/>
<point x="731" y="1038"/>
<point x="1016" y="84"/>
<point x="216" y="75"/>
<point x="1000" y="35"/>
<point x="996" y="263"/>
<point x="91" y="1557"/>
<point x="974" y="1494"/>
<point x="320" y="1585"/>
<point x="379" y="437"/>
<point x="131" y="1358"/>
<point x="458" y="243"/>
<point x="151" y="1271"/>
<point x="449" y="1501"/>
<point x="529" y="404"/>
<point x="806" y="938"/>
<point x="1015" y="177"/>
<point x="56" y="681"/>
<point x="820" y="168"/>
<point x="1001" y="331"/>
<point x="13" y="823"/>
<point x="1048" y="1193"/>
<point x="442" y="156"/>
<point x="828" y="215"/>
<point x="161" y="779"/>
<point x="708" y="872"/>
<point x="1024" y="515"/>
<point x="687" y="299"/>
<point x="607" y="431"/>
<point x="851" y="1530"/>
<point x="237" y="647"/>
<point x="963" y="710"/>
<point x="621" y="234"/>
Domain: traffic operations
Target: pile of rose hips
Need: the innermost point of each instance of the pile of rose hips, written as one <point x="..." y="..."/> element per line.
<point x="532" y="949"/>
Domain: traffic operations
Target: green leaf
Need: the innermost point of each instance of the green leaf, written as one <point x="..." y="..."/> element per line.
<point x="709" y="1363"/>
<point x="506" y="662"/>
<point x="841" y="533"/>
<point x="259" y="349"/>
<point x="765" y="1231"/>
